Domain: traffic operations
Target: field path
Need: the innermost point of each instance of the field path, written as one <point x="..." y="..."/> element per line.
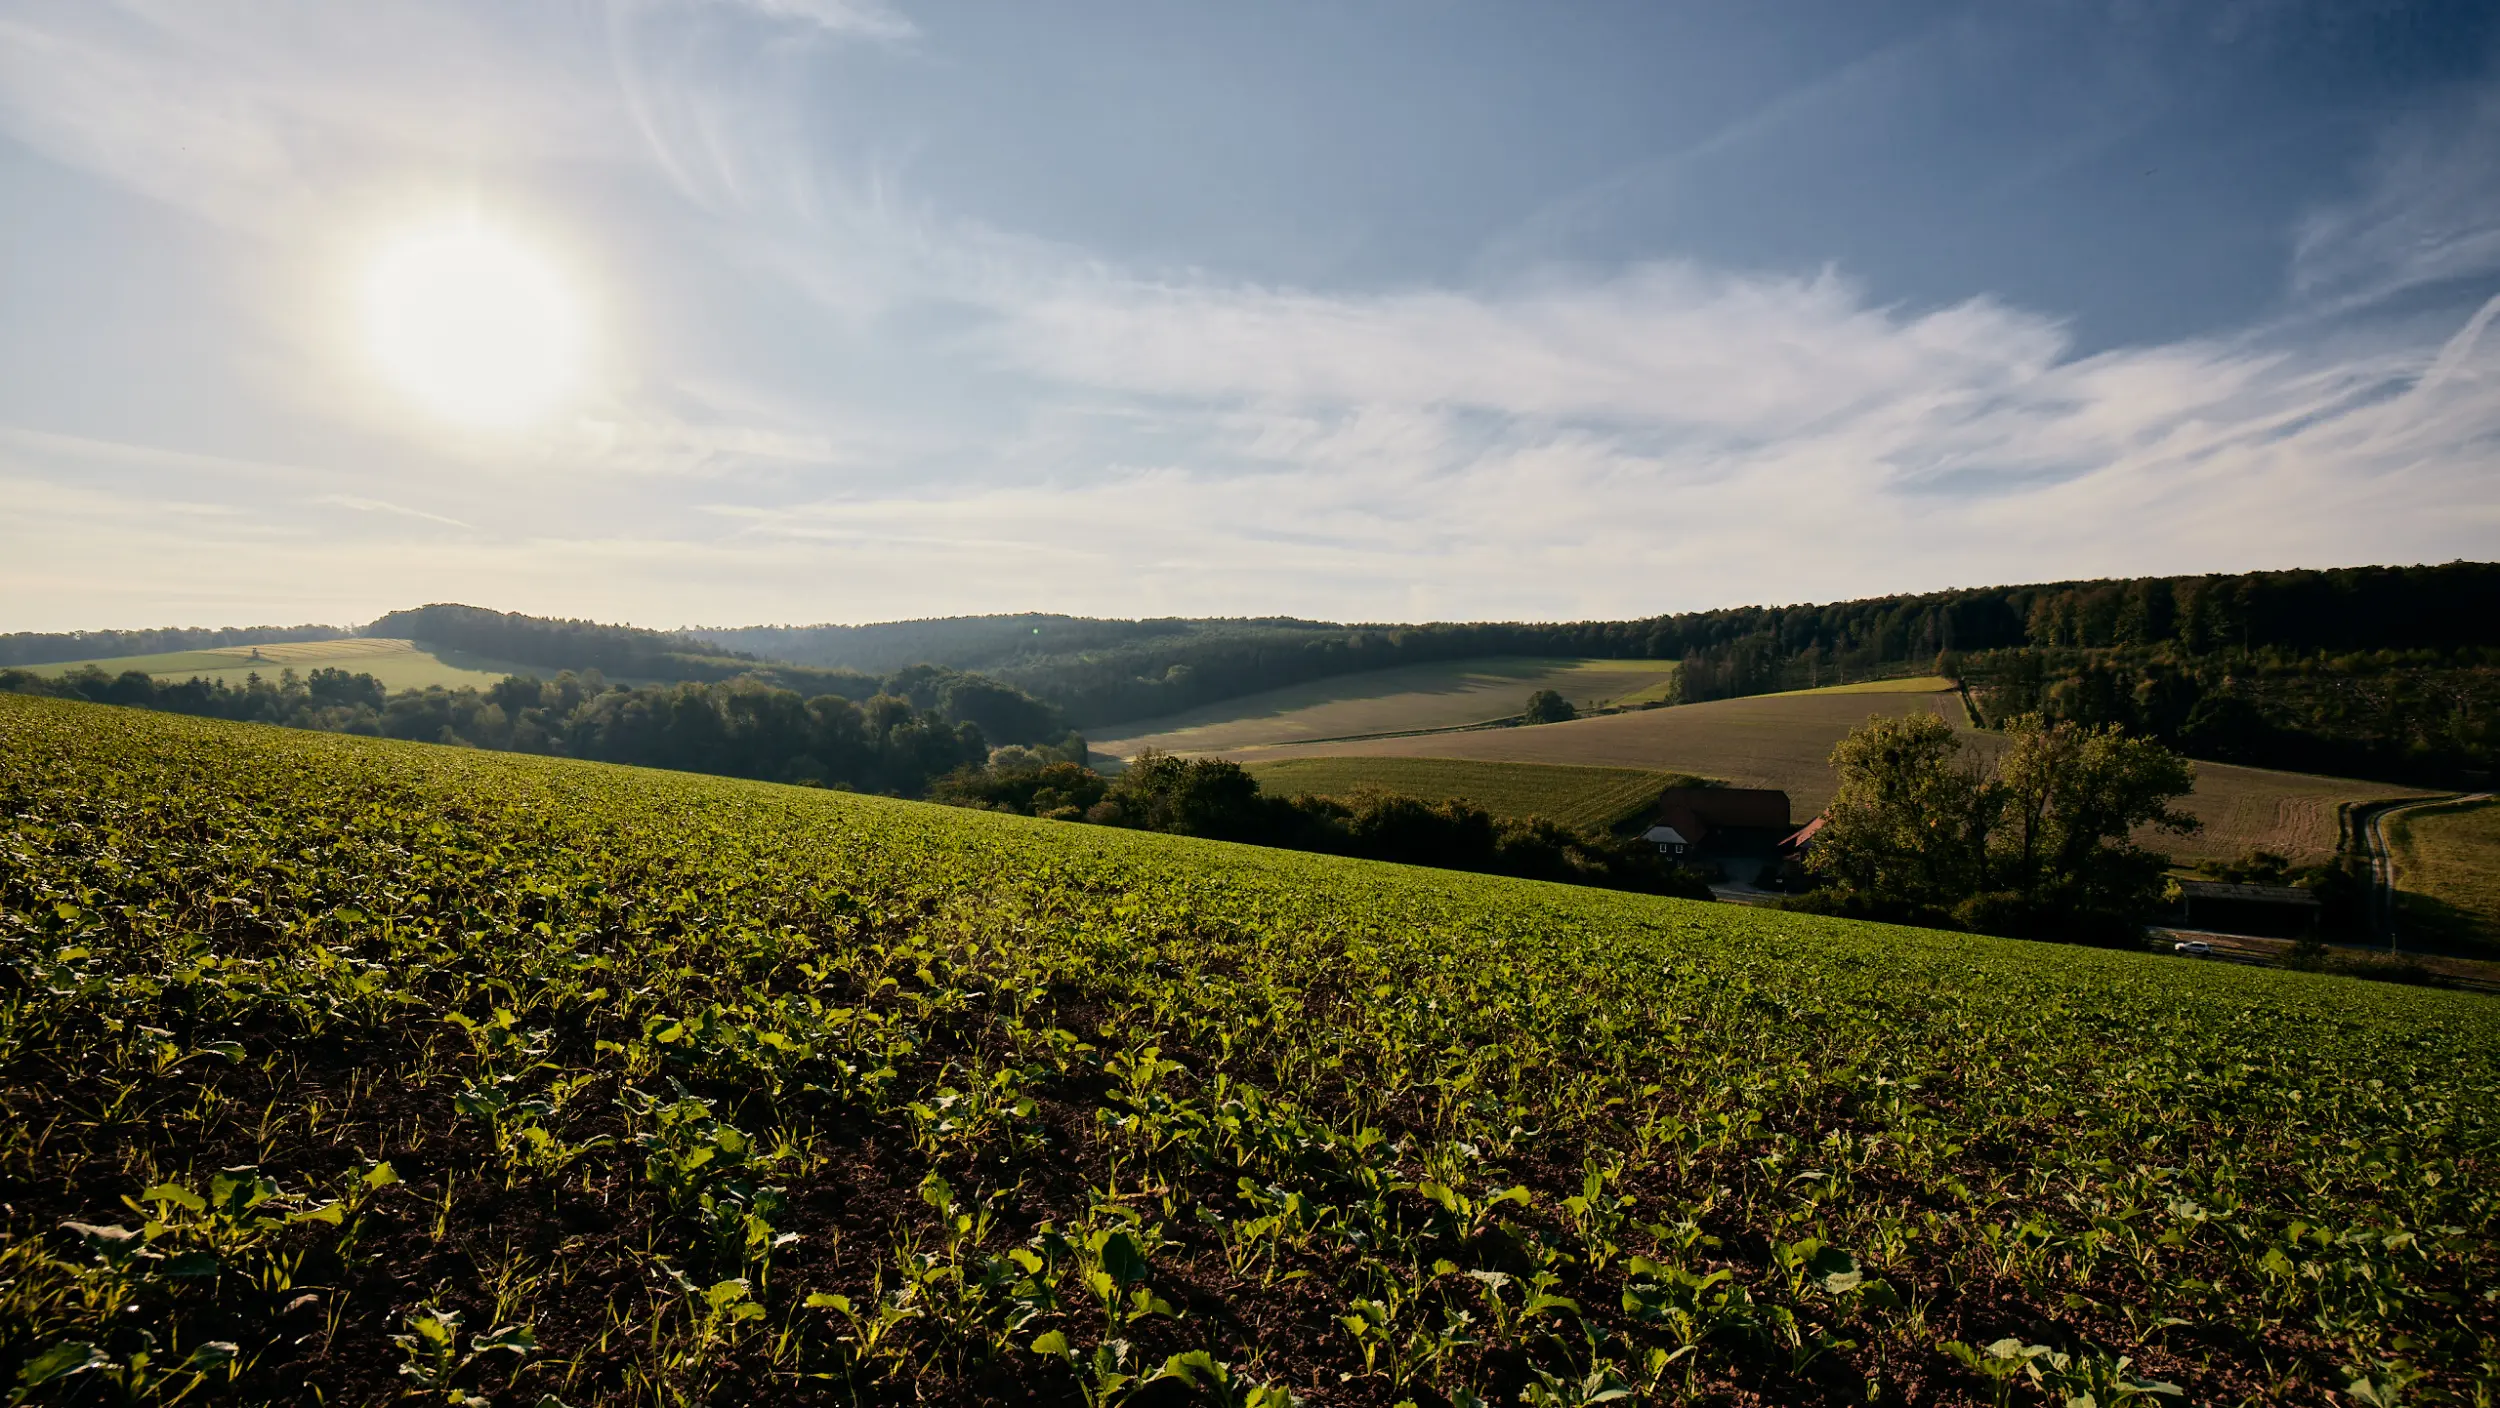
<point x="2383" y="857"/>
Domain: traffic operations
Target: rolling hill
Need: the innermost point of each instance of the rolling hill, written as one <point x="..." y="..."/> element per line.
<point x="1409" y="698"/>
<point x="1593" y="799"/>
<point x="1778" y="740"/>
<point x="398" y="664"/>
<point x="1785" y="741"/>
<point x="402" y="1068"/>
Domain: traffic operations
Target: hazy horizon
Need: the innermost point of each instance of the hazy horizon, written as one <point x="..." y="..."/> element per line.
<point x="801" y="311"/>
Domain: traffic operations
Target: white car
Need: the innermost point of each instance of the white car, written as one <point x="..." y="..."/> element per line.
<point x="2193" y="948"/>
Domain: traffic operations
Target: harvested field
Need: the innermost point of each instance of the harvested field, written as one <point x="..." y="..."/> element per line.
<point x="1411" y="697"/>
<point x="1916" y="684"/>
<point x="1593" y="799"/>
<point x="1785" y="741"/>
<point x="2292" y="814"/>
<point x="1772" y="740"/>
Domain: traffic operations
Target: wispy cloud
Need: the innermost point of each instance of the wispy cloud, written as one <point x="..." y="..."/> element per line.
<point x="365" y="505"/>
<point x="2428" y="209"/>
<point x="861" y="17"/>
<point x="839" y="404"/>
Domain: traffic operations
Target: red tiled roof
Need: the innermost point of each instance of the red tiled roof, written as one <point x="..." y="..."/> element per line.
<point x="1804" y="835"/>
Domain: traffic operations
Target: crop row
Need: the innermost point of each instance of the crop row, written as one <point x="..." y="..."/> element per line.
<point x="336" y="1069"/>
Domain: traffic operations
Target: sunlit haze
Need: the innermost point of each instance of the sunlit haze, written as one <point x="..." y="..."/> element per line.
<point x="472" y="325"/>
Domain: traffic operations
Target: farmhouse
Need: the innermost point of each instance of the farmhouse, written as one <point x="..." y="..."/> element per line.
<point x="1790" y="854"/>
<point x="1722" y="819"/>
<point x="1668" y="840"/>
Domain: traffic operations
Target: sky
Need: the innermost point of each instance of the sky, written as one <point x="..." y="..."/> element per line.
<point x="745" y="311"/>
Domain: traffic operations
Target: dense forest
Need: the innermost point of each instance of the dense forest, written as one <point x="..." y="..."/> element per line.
<point x="973" y="642"/>
<point x="738" y="729"/>
<point x="2420" y="716"/>
<point x="51" y="647"/>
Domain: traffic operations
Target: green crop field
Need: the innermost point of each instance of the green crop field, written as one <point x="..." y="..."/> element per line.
<point x="345" y="1071"/>
<point x="2448" y="868"/>
<point x="398" y="664"/>
<point x="1451" y="695"/>
<point x="1595" y="799"/>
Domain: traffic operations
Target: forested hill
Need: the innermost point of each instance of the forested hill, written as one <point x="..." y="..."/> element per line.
<point x="550" y="643"/>
<point x="1005" y="714"/>
<point x="1111" y="671"/>
<point x="976" y="642"/>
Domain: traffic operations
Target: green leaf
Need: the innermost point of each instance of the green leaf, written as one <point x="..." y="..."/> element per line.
<point x="381" y="1175"/>
<point x="509" y="1339"/>
<point x="1053" y="1343"/>
<point x="1188" y="1366"/>
<point x="826" y="1300"/>
<point x="210" y="1354"/>
<point x="179" y="1196"/>
<point x="1122" y="1257"/>
<point x="60" y="1361"/>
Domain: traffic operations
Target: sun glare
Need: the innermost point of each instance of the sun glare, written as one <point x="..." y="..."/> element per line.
<point x="473" y="325"/>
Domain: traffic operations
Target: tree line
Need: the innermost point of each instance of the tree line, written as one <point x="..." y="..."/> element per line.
<point x="52" y="647"/>
<point x="739" y="728"/>
<point x="1103" y="672"/>
<point x="1220" y="800"/>
<point x="2419" y="716"/>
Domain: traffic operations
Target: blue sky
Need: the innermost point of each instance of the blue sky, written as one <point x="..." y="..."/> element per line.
<point x="1397" y="311"/>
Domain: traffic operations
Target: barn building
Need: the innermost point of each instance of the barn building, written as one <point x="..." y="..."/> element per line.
<point x="1722" y="820"/>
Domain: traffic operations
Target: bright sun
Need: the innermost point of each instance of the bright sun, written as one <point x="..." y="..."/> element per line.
<point x="473" y="325"/>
